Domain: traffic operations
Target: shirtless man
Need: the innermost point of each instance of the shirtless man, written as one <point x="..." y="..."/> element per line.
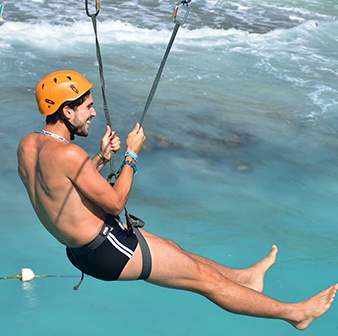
<point x="77" y="205"/>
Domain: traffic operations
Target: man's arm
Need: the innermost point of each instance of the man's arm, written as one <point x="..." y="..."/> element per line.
<point x="79" y="168"/>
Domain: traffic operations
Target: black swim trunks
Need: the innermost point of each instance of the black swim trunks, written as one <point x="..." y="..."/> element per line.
<point x="107" y="261"/>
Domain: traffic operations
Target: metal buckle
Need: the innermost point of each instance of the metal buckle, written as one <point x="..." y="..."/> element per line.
<point x="97" y="8"/>
<point x="181" y="3"/>
<point x="133" y="221"/>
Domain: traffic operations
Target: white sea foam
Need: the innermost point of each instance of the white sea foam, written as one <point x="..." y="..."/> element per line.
<point x="293" y="58"/>
<point x="53" y="36"/>
<point x="297" y="18"/>
<point x="321" y="97"/>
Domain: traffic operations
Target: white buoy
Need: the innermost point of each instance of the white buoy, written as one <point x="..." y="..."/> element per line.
<point x="27" y="274"/>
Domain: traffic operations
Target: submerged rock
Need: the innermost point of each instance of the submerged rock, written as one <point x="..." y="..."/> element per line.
<point x="160" y="142"/>
<point x="244" y="166"/>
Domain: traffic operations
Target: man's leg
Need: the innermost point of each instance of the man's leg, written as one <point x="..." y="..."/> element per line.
<point x="252" y="277"/>
<point x="175" y="269"/>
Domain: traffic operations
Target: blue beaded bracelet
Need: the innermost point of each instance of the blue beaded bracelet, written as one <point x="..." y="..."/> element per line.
<point x="131" y="164"/>
<point x="132" y="154"/>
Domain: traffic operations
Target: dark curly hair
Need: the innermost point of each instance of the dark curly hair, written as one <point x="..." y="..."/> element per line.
<point x="58" y="115"/>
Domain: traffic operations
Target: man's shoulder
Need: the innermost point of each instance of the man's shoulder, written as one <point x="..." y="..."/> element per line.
<point x="28" y="139"/>
<point x="74" y="159"/>
<point x="28" y="143"/>
<point x="52" y="149"/>
<point x="73" y="152"/>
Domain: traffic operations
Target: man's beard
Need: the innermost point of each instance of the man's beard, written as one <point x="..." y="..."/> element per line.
<point x="81" y="132"/>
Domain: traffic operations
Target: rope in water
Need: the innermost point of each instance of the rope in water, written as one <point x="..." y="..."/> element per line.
<point x="27" y="275"/>
<point x="40" y="276"/>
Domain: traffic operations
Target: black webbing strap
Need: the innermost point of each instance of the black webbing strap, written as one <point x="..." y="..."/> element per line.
<point x="102" y="80"/>
<point x="100" y="238"/>
<point x="178" y="23"/>
<point x="134" y="223"/>
<point x="79" y="284"/>
<point x="159" y="73"/>
<point x="103" y="83"/>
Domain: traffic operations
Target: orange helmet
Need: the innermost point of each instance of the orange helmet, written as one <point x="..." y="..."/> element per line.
<point x="58" y="88"/>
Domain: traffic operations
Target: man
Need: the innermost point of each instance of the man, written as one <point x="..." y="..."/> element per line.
<point x="80" y="208"/>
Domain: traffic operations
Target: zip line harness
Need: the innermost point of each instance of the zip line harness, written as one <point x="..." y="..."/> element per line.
<point x="133" y="222"/>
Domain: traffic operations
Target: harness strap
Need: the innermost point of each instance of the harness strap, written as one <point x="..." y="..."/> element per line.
<point x="146" y="256"/>
<point x="102" y="80"/>
<point x="159" y="73"/>
<point x="103" y="83"/>
<point x="178" y="23"/>
<point x="134" y="223"/>
<point x="79" y="284"/>
<point x="100" y="238"/>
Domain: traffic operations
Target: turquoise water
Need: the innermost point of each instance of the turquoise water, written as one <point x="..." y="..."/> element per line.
<point x="240" y="154"/>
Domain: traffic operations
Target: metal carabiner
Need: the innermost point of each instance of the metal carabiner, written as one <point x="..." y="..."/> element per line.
<point x="181" y="3"/>
<point x="97" y="8"/>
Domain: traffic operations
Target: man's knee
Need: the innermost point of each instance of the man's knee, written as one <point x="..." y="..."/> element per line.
<point x="209" y="278"/>
<point x="171" y="242"/>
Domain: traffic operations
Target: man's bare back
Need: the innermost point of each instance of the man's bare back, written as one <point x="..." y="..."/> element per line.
<point x="71" y="217"/>
<point x="72" y="201"/>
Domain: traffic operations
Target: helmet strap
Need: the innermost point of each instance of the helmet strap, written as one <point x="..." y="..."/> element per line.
<point x="71" y="128"/>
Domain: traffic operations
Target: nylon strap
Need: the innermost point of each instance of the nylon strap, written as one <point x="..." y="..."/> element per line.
<point x="103" y="89"/>
<point x="103" y="83"/>
<point x="178" y="23"/>
<point x="159" y="72"/>
<point x="146" y="255"/>
<point x="134" y="223"/>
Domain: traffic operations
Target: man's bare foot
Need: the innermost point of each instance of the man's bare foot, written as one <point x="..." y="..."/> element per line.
<point x="254" y="275"/>
<point x="314" y="307"/>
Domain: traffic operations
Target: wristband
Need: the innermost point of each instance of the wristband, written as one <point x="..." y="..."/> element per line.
<point x="132" y="154"/>
<point x="131" y="165"/>
<point x="103" y="158"/>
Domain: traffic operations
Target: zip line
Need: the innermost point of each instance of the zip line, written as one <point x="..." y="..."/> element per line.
<point x="178" y="23"/>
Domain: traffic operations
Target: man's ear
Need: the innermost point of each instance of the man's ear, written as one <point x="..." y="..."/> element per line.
<point x="67" y="112"/>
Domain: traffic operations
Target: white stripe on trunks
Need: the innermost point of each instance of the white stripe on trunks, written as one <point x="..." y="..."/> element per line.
<point x="119" y="246"/>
